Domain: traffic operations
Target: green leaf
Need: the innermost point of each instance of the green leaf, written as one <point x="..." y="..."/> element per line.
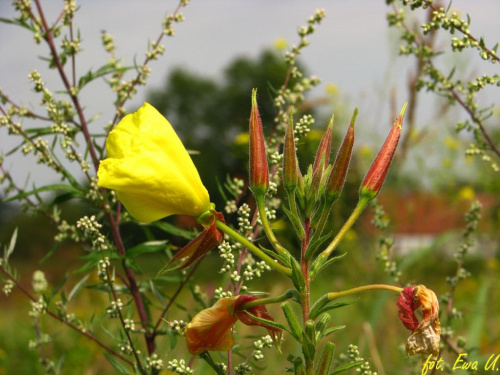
<point x="283" y="258"/>
<point x="335" y="306"/>
<point x="316" y="242"/>
<point x="330" y="330"/>
<point x="292" y="321"/>
<point x="101" y="72"/>
<point x="309" y="340"/>
<point x="53" y="187"/>
<point x="326" y="359"/>
<point x="319" y="268"/>
<point x="347" y="366"/>
<point x="94" y="257"/>
<point x="77" y="287"/>
<point x="157" y="293"/>
<point x="297" y="277"/>
<point x="298" y="365"/>
<point x="118" y="366"/>
<point x="7" y="20"/>
<point x="318" y="305"/>
<point x="208" y="359"/>
<point x="172" y="229"/>
<point x="10" y="249"/>
<point x="297" y="225"/>
<point x="145" y="248"/>
<point x="271" y="323"/>
<point x="58" y="286"/>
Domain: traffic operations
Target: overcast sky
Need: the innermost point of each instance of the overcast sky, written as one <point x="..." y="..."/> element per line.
<point x="353" y="47"/>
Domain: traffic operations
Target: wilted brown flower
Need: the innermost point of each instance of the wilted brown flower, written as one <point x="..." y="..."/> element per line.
<point x="426" y="335"/>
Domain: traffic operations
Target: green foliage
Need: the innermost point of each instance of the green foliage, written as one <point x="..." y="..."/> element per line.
<point x="100" y="292"/>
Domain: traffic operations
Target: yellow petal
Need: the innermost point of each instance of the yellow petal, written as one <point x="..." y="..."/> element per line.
<point x="150" y="170"/>
<point x="212" y="328"/>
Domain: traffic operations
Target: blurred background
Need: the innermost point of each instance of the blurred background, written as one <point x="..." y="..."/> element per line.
<point x="202" y="85"/>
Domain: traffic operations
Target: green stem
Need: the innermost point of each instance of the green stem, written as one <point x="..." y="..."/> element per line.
<point x="267" y="226"/>
<point x="267" y="301"/>
<point x="362" y="203"/>
<point x="254" y="249"/>
<point x="359" y="289"/>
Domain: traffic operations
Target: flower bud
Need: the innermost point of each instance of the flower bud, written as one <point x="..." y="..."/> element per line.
<point x="259" y="174"/>
<point x="290" y="167"/>
<point x="323" y="153"/>
<point x="378" y="171"/>
<point x="341" y="164"/>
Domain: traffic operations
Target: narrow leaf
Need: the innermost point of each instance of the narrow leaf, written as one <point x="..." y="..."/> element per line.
<point x="326" y="359"/>
<point x="292" y="321"/>
<point x="118" y="366"/>
<point x="330" y="330"/>
<point x="347" y="366"/>
<point x="327" y="263"/>
<point x="335" y="306"/>
<point x="53" y="187"/>
<point x="297" y="225"/>
<point x="58" y="286"/>
<point x="269" y="322"/>
<point x="10" y="249"/>
<point x="77" y="287"/>
<point x="146" y="247"/>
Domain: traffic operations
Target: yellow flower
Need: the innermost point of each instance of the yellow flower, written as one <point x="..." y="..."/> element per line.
<point x="212" y="328"/>
<point x="150" y="170"/>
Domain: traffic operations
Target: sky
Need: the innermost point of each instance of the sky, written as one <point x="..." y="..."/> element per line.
<point x="352" y="48"/>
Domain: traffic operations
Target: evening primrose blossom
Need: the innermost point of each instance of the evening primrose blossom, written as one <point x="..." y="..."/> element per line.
<point x="150" y="170"/>
<point x="212" y="329"/>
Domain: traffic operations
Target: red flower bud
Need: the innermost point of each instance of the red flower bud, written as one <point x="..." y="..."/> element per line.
<point x="290" y="167"/>
<point x="324" y="147"/>
<point x="259" y="174"/>
<point x="407" y="306"/>
<point x="341" y="164"/>
<point x="378" y="171"/>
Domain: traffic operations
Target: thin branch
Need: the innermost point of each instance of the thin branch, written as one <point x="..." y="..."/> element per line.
<point x="69" y="324"/>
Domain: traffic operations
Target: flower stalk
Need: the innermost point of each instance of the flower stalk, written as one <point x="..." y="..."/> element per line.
<point x="254" y="249"/>
<point x="334" y="295"/>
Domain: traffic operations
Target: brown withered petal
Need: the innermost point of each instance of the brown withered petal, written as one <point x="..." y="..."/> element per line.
<point x="424" y="341"/>
<point x="258" y="311"/>
<point x="198" y="247"/>
<point x="426" y="335"/>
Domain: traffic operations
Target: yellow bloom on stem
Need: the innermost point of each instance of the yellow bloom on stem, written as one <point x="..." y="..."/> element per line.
<point x="212" y="328"/>
<point x="150" y="170"/>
